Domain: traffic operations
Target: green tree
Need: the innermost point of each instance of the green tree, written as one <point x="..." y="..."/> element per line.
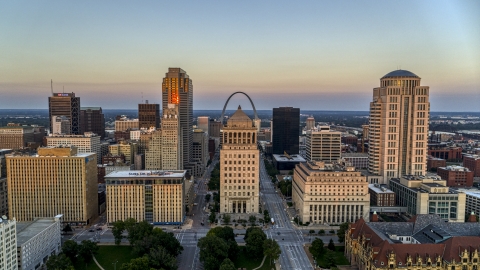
<point x="317" y="248"/>
<point x="117" y="231"/>
<point x="59" y="262"/>
<point x="159" y="258"/>
<point x="213" y="250"/>
<point x="331" y="245"/>
<point x="329" y="258"/>
<point x="70" y="249"/>
<point x="87" y="249"/>
<point x="212" y="217"/>
<point x="252" y="219"/>
<point x="226" y="233"/>
<point x="138" y="231"/>
<point x="227" y="264"/>
<point x="341" y="232"/>
<point x="67" y="228"/>
<point x="226" y="218"/>
<point x="207" y="197"/>
<point x="266" y="215"/>
<point x="321" y="232"/>
<point x="271" y="249"/>
<point x="254" y="242"/>
<point x="311" y="232"/>
<point x="136" y="264"/>
<point x="156" y="238"/>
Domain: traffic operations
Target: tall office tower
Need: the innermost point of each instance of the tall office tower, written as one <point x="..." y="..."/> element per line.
<point x="57" y="180"/>
<point x="87" y="143"/>
<point x="153" y="153"/>
<point x="239" y="163"/>
<point x="65" y="104"/>
<point x="286" y="127"/>
<point x="322" y="144"/>
<point x="60" y="125"/>
<point x="172" y="155"/>
<point x="398" y="129"/>
<point x="200" y="149"/>
<point x="310" y="123"/>
<point x="128" y="149"/>
<point x="177" y="88"/>
<point x="203" y="123"/>
<point x="92" y="120"/>
<point x="8" y="244"/>
<point x="148" y="115"/>
<point x="214" y="128"/>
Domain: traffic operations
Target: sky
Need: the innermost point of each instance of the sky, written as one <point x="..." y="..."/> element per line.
<point x="315" y="55"/>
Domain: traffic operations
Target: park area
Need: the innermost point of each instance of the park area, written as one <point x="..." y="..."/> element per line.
<point x="107" y="256"/>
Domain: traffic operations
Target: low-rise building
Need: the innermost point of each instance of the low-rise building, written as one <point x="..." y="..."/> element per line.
<point x="323" y="144"/>
<point x="157" y="197"/>
<point x="87" y="143"/>
<point x="8" y="244"/>
<point x="456" y="176"/>
<point x="424" y="242"/>
<point x="380" y="195"/>
<point x="286" y="162"/>
<point x="433" y="162"/>
<point x="38" y="240"/>
<point x="329" y="193"/>
<point x="15" y="136"/>
<point x="472" y="162"/>
<point x="357" y="160"/>
<point x="422" y="195"/>
<point x="123" y="124"/>
<point x="472" y="200"/>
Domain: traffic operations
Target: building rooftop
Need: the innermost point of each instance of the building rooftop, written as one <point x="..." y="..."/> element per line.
<point x="16" y="127"/>
<point x="148" y="174"/>
<point x="400" y="73"/>
<point x="91" y="108"/>
<point x="27" y="230"/>
<point x="288" y="158"/>
<point x="379" y="189"/>
<point x="455" y="168"/>
<point x="365" y="155"/>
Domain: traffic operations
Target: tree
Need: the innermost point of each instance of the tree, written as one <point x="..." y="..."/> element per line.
<point x="212" y="216"/>
<point x="138" y="231"/>
<point x="331" y="245"/>
<point x="254" y="242"/>
<point x="227" y="234"/>
<point x="266" y="215"/>
<point x="207" y="197"/>
<point x="67" y="228"/>
<point x="317" y="249"/>
<point x="226" y="218"/>
<point x="159" y="258"/>
<point x="329" y="258"/>
<point x="136" y="264"/>
<point x="227" y="264"/>
<point x="271" y="249"/>
<point x="117" y="231"/>
<point x="252" y="219"/>
<point x="311" y="232"/>
<point x="156" y="238"/>
<point x="70" y="249"/>
<point x="341" y="232"/>
<point x="86" y="250"/>
<point x="213" y="250"/>
<point x="321" y="232"/>
<point x="59" y="262"/>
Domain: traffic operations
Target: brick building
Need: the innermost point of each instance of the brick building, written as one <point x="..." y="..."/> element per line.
<point x="456" y="176"/>
<point x="472" y="162"/>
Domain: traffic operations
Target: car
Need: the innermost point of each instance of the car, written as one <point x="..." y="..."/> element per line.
<point x="91" y="230"/>
<point x="278" y="233"/>
<point x="99" y="229"/>
<point x="201" y="223"/>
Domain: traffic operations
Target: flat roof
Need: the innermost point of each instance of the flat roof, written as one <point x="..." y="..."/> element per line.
<point x="294" y="158"/>
<point x="379" y="189"/>
<point x="147" y="173"/>
<point x="28" y="230"/>
<point x="365" y="155"/>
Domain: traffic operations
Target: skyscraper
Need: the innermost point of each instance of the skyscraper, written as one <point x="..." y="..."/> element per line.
<point x="65" y="104"/>
<point x="92" y="120"/>
<point x="286" y="126"/>
<point x="239" y="159"/>
<point x="203" y="123"/>
<point x="148" y="115"/>
<point x="177" y="88"/>
<point x="398" y="128"/>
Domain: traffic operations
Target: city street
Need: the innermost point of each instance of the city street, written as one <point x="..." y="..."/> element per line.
<point x="290" y="239"/>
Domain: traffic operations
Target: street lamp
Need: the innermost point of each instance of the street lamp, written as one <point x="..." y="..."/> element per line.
<point x="115" y="265"/>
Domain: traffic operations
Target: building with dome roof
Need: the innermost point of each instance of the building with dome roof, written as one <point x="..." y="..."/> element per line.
<point x="398" y="127"/>
<point x="239" y="166"/>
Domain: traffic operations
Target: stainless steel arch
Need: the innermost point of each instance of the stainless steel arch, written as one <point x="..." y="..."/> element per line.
<point x="226" y="103"/>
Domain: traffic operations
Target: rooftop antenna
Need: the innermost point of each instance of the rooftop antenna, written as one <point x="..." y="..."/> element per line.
<point x="64" y="89"/>
<point x="142" y="97"/>
<point x="51" y="85"/>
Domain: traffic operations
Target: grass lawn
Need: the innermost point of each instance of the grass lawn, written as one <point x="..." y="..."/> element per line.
<point x="245" y="261"/>
<point x="339" y="258"/>
<point x="106" y="256"/>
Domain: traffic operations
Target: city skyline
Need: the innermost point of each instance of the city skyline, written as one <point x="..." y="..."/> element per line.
<point x="315" y="56"/>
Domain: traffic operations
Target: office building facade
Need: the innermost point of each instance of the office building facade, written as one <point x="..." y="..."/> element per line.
<point x="286" y="130"/>
<point x="329" y="193"/>
<point x="148" y="115"/>
<point x="8" y="244"/>
<point x="15" y="137"/>
<point x="472" y="162"/>
<point x="177" y="88"/>
<point x="456" y="176"/>
<point x="203" y="123"/>
<point x="92" y="120"/>
<point x="322" y="144"/>
<point x="60" y="125"/>
<point x="398" y="128"/>
<point x="68" y="105"/>
<point x="56" y="180"/>
<point x="200" y="149"/>
<point x="154" y="196"/>
<point x="87" y="143"/>
<point x="239" y="166"/>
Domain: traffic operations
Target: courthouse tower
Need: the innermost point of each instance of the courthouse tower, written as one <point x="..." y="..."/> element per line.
<point x="239" y="166"/>
<point x="398" y="128"/>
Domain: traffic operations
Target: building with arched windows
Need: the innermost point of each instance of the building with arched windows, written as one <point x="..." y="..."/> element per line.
<point x="239" y="166"/>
